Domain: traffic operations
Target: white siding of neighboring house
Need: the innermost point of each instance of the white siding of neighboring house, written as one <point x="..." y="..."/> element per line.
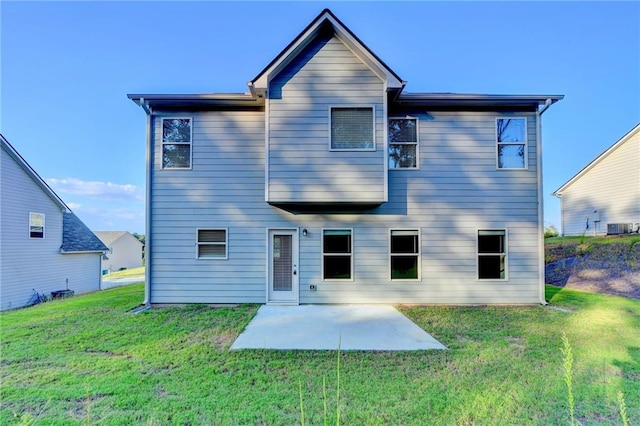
<point x="301" y="166"/>
<point x="456" y="191"/>
<point x="611" y="187"/>
<point x="125" y="252"/>
<point x="27" y="264"/>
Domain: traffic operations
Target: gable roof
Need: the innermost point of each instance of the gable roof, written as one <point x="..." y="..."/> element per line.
<point x="598" y="159"/>
<point x="108" y="237"/>
<point x="32" y="173"/>
<point x="76" y="237"/>
<point x="325" y="21"/>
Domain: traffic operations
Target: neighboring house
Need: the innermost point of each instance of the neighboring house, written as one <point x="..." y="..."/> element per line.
<point x="125" y="250"/>
<point x="327" y="184"/>
<point x="44" y="246"/>
<point x="604" y="197"/>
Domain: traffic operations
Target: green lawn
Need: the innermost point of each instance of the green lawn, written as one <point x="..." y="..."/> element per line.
<point x="85" y="360"/>
<point x="126" y="273"/>
<point x="630" y="239"/>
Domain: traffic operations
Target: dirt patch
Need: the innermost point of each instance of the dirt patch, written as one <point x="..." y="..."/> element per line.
<point x="609" y="268"/>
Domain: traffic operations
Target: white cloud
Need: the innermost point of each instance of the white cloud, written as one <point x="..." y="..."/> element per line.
<point x="113" y="219"/>
<point x="104" y="191"/>
<point x="74" y="206"/>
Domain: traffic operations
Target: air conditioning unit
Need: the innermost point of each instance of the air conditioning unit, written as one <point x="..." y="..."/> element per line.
<point x="619" y="228"/>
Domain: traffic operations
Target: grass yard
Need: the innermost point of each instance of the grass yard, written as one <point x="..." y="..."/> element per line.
<point x="86" y="361"/>
<point x="127" y="273"/>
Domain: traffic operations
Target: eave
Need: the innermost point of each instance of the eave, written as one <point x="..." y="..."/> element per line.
<point x="456" y="100"/>
<point x="198" y="101"/>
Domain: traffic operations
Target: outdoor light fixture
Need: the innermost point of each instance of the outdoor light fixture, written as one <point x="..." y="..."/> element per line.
<point x="304" y="232"/>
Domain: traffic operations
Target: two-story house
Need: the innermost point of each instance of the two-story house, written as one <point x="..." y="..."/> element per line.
<point x="327" y="183"/>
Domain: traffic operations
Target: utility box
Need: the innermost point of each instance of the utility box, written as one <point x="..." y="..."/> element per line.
<point x="61" y="294"/>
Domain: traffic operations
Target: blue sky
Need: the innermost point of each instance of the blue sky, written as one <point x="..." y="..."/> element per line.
<point x="66" y="68"/>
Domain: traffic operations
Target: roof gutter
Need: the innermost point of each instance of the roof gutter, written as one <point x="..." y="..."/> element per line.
<point x="541" y="265"/>
<point x="148" y="240"/>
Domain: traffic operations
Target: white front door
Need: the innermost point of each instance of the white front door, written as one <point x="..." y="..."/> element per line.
<point x="282" y="267"/>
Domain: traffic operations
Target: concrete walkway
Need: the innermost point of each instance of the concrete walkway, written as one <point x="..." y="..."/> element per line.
<point x="327" y="327"/>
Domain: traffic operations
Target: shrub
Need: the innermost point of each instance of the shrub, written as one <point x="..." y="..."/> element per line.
<point x="550" y="231"/>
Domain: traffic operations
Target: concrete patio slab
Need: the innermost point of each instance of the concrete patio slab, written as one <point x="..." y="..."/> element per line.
<point x="327" y="327"/>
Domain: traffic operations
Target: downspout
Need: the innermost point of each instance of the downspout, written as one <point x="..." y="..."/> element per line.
<point x="541" y="262"/>
<point x="147" y="244"/>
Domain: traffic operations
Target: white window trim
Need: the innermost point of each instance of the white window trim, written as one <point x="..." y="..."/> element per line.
<point x="525" y="143"/>
<point x="373" y="112"/>
<point x="226" y="244"/>
<point x="322" y="255"/>
<point x="44" y="226"/>
<point x="163" y="143"/>
<point x="416" y="143"/>
<point x="419" y="255"/>
<point x="506" y="255"/>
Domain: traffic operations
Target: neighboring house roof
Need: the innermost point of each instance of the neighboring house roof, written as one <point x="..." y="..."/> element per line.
<point x="76" y="237"/>
<point x="32" y="173"/>
<point x="108" y="237"/>
<point x="558" y="192"/>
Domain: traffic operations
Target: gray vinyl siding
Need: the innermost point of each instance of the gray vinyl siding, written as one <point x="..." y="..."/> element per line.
<point x="301" y="166"/>
<point x="456" y="191"/>
<point x="27" y="264"/>
<point x="612" y="187"/>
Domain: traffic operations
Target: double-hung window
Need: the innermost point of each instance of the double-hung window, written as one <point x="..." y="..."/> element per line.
<point x="212" y="244"/>
<point x="36" y="225"/>
<point x="352" y="129"/>
<point x="405" y="254"/>
<point x="492" y="254"/>
<point x="403" y="143"/>
<point x="176" y="143"/>
<point x="337" y="254"/>
<point x="511" y="136"/>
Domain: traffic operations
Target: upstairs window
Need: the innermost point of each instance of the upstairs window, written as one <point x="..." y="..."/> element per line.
<point x="337" y="254"/>
<point x="405" y="254"/>
<point x="511" y="134"/>
<point x="403" y="143"/>
<point x="176" y="143"/>
<point x="492" y="254"/>
<point x="36" y="225"/>
<point x="352" y="129"/>
<point x="212" y="244"/>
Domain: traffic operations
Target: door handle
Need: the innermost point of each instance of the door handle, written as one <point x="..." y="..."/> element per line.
<point x="295" y="270"/>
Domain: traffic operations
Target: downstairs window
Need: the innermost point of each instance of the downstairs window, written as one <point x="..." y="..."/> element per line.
<point x="405" y="254"/>
<point x="492" y="254"/>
